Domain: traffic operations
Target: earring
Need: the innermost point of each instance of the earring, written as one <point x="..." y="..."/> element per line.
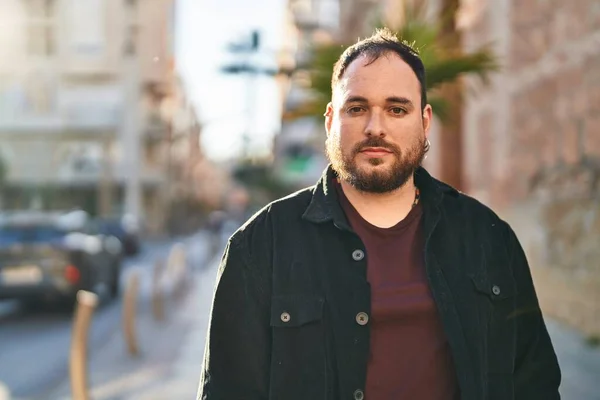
<point x="427" y="145"/>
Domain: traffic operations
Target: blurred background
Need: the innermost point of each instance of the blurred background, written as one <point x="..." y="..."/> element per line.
<point x="128" y="127"/>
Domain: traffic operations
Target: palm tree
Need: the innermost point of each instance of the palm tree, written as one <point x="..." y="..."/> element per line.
<point x="438" y="47"/>
<point x="451" y="138"/>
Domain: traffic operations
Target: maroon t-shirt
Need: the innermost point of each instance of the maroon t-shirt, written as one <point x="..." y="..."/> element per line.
<point x="409" y="354"/>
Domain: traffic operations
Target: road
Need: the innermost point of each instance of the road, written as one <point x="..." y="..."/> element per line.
<point x="34" y="344"/>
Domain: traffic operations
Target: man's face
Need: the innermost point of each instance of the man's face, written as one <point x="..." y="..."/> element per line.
<point x="376" y="131"/>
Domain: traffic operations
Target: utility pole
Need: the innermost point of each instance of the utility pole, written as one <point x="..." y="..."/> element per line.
<point x="106" y="177"/>
<point x="130" y="133"/>
<point x="249" y="49"/>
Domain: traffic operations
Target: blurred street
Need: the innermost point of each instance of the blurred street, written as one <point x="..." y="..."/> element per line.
<point x="141" y="134"/>
<point x="171" y="355"/>
<point x="44" y="336"/>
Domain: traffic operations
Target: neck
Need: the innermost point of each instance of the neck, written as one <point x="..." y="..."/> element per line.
<point x="382" y="209"/>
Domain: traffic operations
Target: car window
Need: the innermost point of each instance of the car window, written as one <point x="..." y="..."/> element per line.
<point x="30" y="234"/>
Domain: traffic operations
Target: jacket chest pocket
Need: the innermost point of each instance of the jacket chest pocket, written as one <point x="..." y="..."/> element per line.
<point x="497" y="304"/>
<point x="298" y="355"/>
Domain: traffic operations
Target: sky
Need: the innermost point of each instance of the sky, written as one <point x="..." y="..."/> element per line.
<point x="204" y="29"/>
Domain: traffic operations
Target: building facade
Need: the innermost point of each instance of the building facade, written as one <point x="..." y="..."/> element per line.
<point x="532" y="141"/>
<point x="81" y="116"/>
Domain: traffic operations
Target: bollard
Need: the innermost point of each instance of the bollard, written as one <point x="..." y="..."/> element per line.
<point x="86" y="304"/>
<point x="186" y="273"/>
<point x="183" y="280"/>
<point x="181" y="274"/>
<point x="4" y="392"/>
<point x="177" y="269"/>
<point x="157" y="295"/>
<point x="129" y="313"/>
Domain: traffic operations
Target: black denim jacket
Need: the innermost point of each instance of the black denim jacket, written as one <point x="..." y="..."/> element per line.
<point x="293" y="279"/>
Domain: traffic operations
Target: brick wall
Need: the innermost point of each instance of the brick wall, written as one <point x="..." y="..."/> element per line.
<point x="532" y="142"/>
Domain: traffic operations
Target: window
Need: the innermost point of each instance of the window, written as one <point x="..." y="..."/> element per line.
<point x="40" y="9"/>
<point x="131" y="30"/>
<point x="131" y="36"/>
<point x="40" y="93"/>
<point x="86" y="27"/>
<point x="41" y="33"/>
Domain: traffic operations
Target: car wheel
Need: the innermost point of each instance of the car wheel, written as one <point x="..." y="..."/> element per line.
<point x="114" y="287"/>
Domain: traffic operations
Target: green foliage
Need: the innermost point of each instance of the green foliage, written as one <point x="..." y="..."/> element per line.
<point x="593" y="341"/>
<point x="443" y="64"/>
<point x="261" y="182"/>
<point x="3" y="171"/>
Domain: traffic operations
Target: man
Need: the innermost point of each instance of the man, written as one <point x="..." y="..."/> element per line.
<point x="380" y="282"/>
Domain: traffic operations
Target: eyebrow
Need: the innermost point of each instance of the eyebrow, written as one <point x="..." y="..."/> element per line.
<point x="392" y="99"/>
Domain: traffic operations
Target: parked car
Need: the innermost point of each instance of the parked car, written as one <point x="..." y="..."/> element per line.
<point x="125" y="228"/>
<point x="51" y="256"/>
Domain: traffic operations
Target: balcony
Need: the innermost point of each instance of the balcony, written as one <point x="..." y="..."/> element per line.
<point x="91" y="117"/>
<point x="42" y="110"/>
<point x="92" y="107"/>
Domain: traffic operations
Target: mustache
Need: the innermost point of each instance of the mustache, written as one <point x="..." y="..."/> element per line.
<point x="375" y="141"/>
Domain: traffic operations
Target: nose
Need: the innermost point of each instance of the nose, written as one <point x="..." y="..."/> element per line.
<point x="375" y="124"/>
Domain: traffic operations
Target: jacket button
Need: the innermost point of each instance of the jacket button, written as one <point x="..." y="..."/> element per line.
<point x="359" y="394"/>
<point x="362" y="318"/>
<point x="285" y="317"/>
<point x="496" y="290"/>
<point x="358" y="255"/>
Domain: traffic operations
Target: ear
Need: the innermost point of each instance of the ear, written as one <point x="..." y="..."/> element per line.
<point x="427" y="118"/>
<point x="328" y="117"/>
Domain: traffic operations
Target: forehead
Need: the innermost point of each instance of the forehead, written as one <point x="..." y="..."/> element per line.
<point x="389" y="75"/>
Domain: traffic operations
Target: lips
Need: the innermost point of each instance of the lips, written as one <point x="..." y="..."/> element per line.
<point x="377" y="151"/>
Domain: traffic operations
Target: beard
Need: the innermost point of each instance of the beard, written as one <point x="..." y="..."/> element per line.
<point x="377" y="180"/>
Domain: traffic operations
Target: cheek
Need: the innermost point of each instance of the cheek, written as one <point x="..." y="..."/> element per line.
<point x="349" y="125"/>
<point x="339" y="144"/>
<point x="335" y="143"/>
<point x="345" y="142"/>
<point x="406" y="131"/>
<point x="350" y="130"/>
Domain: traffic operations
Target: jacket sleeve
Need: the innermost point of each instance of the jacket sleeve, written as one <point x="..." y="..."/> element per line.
<point x="536" y="374"/>
<point x="237" y="354"/>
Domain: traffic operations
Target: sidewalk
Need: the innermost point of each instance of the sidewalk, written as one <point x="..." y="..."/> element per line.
<point x="580" y="364"/>
<point x="171" y="351"/>
<point x="181" y="382"/>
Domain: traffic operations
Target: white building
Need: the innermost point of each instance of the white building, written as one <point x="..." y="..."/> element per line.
<point x="80" y="101"/>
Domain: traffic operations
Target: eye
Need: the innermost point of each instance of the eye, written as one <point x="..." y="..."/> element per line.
<point x="355" y="109"/>
<point x="397" y="111"/>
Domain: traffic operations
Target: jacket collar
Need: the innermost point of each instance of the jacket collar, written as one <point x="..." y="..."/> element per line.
<point x="325" y="206"/>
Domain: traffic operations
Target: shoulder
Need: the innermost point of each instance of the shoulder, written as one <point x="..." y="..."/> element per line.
<point x="470" y="222"/>
<point x="462" y="208"/>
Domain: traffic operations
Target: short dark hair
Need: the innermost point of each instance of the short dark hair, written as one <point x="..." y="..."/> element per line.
<point x="382" y="42"/>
